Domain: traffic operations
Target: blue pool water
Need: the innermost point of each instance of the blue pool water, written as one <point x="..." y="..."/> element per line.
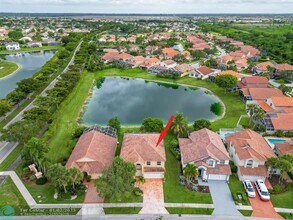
<point x="228" y="134"/>
<point x="275" y="141"/>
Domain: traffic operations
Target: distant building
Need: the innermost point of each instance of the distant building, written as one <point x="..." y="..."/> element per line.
<point x="12" y="46"/>
<point x="34" y="44"/>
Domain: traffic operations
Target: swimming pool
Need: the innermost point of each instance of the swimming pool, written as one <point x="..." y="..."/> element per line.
<point x="276" y="141"/>
<point x="228" y="134"/>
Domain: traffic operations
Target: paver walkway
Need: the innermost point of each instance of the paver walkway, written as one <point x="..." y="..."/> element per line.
<point x="222" y="199"/>
<point x="263" y="209"/>
<point x="153" y="197"/>
<point x="91" y="195"/>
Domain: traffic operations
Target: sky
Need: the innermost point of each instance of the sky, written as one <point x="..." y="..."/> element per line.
<point x="147" y="6"/>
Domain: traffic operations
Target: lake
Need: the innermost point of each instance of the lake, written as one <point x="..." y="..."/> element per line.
<point x="132" y="100"/>
<point x="30" y="63"/>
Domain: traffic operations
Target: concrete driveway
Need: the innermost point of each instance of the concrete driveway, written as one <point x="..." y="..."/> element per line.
<point x="222" y="199"/>
<point x="153" y="197"/>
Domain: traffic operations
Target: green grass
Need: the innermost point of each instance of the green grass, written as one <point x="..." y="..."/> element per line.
<point x="10" y="195"/>
<point x="44" y="194"/>
<point x="6" y="68"/>
<point x="283" y="200"/>
<point x="194" y="211"/>
<point x="173" y="191"/>
<point x="286" y="215"/>
<point x="31" y="49"/>
<point x="245" y="212"/>
<point x="11" y="158"/>
<point x="124" y="210"/>
<point x="131" y="199"/>
<point x="236" y="186"/>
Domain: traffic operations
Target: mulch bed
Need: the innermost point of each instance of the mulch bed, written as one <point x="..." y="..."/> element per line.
<point x="200" y="189"/>
<point x="274" y="180"/>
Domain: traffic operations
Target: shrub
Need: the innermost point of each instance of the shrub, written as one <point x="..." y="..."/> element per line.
<point x="41" y="181"/>
<point x="78" y="132"/>
<point x="64" y="196"/>
<point x="277" y="189"/>
<point x="175" y="153"/>
<point x="233" y="167"/>
<point x="137" y="191"/>
<point x="88" y="178"/>
<point x="32" y="178"/>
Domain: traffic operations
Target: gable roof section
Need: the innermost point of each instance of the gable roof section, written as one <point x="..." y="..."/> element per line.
<point x="249" y="144"/>
<point x="140" y="148"/>
<point x="282" y="101"/>
<point x="283" y="122"/>
<point x="284" y="67"/>
<point x="285" y="148"/>
<point x="264" y="93"/>
<point x="98" y="148"/>
<point x="201" y="145"/>
<point x="204" y="70"/>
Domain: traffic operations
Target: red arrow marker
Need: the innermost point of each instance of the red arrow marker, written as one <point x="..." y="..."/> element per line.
<point x="164" y="132"/>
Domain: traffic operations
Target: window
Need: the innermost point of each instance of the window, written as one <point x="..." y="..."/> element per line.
<point x="222" y="162"/>
<point x="249" y="163"/>
<point x="159" y="163"/>
<point x="148" y="163"/>
<point x="210" y="163"/>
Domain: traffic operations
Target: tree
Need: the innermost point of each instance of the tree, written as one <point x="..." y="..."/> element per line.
<point x="75" y="176"/>
<point x="190" y="171"/>
<point x="180" y="58"/>
<point x="200" y="124"/>
<point x="58" y="175"/>
<point x="226" y="81"/>
<point x="115" y="123"/>
<point x="92" y="48"/>
<point x="16" y="96"/>
<point x="5" y="106"/>
<point x="285" y="89"/>
<point x="259" y="115"/>
<point x="283" y="163"/>
<point x="152" y="125"/>
<point x="117" y="180"/>
<point x="15" y="35"/>
<point x="179" y="125"/>
<point x="287" y="76"/>
<point x="27" y="85"/>
<point x="251" y="109"/>
<point x="212" y="63"/>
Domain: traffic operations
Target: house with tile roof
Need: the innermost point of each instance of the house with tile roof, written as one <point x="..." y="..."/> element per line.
<point x="202" y="72"/>
<point x="142" y="150"/>
<point x="249" y="151"/>
<point x="253" y="82"/>
<point x="253" y="95"/>
<point x="205" y="149"/>
<point x="284" y="148"/>
<point x="169" y="53"/>
<point x="263" y="67"/>
<point x="94" y="152"/>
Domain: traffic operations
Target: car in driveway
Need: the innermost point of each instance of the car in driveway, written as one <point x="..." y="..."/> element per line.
<point x="249" y="188"/>
<point x="262" y="190"/>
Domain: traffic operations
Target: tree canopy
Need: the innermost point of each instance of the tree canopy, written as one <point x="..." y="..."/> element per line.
<point x="152" y="125"/>
<point x="200" y="124"/>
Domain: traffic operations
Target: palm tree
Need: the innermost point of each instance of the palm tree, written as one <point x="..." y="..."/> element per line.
<point x="58" y="175"/>
<point x="75" y="175"/>
<point x="190" y="171"/>
<point x="272" y="163"/>
<point x="179" y="125"/>
<point x="250" y="109"/>
<point x="284" y="166"/>
<point x="259" y="115"/>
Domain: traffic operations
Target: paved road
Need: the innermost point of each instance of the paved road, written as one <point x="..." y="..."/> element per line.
<point x="222" y="199"/>
<point x="5" y="147"/>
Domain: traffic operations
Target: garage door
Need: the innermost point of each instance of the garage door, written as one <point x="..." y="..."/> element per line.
<point x="252" y="178"/>
<point x="153" y="176"/>
<point x="217" y="177"/>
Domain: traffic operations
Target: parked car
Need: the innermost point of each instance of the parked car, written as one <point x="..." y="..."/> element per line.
<point x="262" y="190"/>
<point x="249" y="188"/>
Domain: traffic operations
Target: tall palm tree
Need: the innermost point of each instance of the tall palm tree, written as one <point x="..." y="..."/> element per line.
<point x="272" y="163"/>
<point x="179" y="125"/>
<point x="75" y="175"/>
<point x="190" y="171"/>
<point x="259" y="115"/>
<point x="250" y="109"/>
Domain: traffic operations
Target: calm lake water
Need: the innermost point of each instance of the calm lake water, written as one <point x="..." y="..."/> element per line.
<point x="30" y="63"/>
<point x="132" y="100"/>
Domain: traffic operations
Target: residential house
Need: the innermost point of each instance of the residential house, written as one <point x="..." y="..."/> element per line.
<point x="133" y="48"/>
<point x="142" y="150"/>
<point x="94" y="151"/>
<point x="253" y="95"/>
<point x="34" y="44"/>
<point x="110" y="57"/>
<point x="249" y="152"/>
<point x="202" y="72"/>
<point x="12" y="46"/>
<point x="205" y="149"/>
<point x="149" y="50"/>
<point x="169" y="53"/>
<point x="157" y="69"/>
<point x="250" y="51"/>
<point x="169" y="64"/>
<point x="283" y="67"/>
<point x="253" y="82"/>
<point x="149" y="62"/>
<point x="263" y="67"/>
<point x="284" y="148"/>
<point x="227" y="72"/>
<point x="183" y="69"/>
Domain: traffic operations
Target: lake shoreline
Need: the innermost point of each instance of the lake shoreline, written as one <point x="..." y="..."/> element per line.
<point x="15" y="71"/>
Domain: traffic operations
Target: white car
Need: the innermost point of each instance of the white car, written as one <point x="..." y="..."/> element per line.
<point x="262" y="190"/>
<point x="249" y="188"/>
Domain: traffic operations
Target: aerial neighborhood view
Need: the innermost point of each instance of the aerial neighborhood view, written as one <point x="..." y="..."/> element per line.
<point x="146" y="109"/>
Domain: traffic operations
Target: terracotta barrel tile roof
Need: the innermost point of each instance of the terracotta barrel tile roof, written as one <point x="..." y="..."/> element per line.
<point x="285" y="148"/>
<point x="140" y="148"/>
<point x="283" y="122"/>
<point x="220" y="169"/>
<point x="264" y="93"/>
<point x="284" y="67"/>
<point x="282" y="101"/>
<point x="204" y="70"/>
<point x="256" y="171"/>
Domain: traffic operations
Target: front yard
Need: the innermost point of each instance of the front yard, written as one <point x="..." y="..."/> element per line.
<point x="173" y="191"/>
<point x="236" y="186"/>
<point x="283" y="200"/>
<point x="190" y="211"/>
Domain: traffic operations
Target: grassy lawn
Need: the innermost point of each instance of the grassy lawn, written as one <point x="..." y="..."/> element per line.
<point x="132" y="199"/>
<point x="10" y="195"/>
<point x="244" y="122"/>
<point x="283" y="200"/>
<point x="194" y="211"/>
<point x="173" y="191"/>
<point x="124" y="210"/>
<point x="11" y="158"/>
<point x="236" y="186"/>
<point x="7" y="68"/>
<point x="245" y="212"/>
<point x="286" y="215"/>
<point x="44" y="194"/>
<point x="31" y="49"/>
